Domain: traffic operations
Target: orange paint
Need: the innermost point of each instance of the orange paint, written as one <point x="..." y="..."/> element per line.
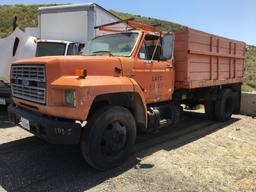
<point x="153" y="80"/>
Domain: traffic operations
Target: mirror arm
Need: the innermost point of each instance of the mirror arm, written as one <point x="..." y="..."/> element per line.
<point x="151" y="60"/>
<point x="161" y="43"/>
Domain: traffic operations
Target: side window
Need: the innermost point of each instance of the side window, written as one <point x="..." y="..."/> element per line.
<point x="81" y="46"/>
<point x="151" y="48"/>
<point x="167" y="47"/>
<point x="71" y="49"/>
<point x="143" y="52"/>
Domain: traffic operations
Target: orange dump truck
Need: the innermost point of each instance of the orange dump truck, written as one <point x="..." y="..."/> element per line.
<point x="125" y="82"/>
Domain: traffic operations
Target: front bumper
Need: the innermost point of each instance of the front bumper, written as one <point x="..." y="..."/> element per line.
<point x="57" y="131"/>
<point x="7" y="100"/>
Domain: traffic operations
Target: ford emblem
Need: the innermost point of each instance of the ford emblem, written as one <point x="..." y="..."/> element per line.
<point x="25" y="82"/>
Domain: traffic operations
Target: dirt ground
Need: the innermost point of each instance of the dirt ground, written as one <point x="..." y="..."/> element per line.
<point x="197" y="155"/>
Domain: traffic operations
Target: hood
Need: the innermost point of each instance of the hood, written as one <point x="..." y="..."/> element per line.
<point x="57" y="66"/>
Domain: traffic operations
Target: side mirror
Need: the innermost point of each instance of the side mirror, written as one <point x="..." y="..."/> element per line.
<point x="167" y="47"/>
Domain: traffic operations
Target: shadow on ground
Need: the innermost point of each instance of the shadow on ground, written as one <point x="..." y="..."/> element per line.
<point x="30" y="164"/>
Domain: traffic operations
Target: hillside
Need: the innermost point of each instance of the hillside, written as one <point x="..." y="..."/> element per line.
<point x="27" y="17"/>
<point x="164" y="25"/>
<point x="250" y="69"/>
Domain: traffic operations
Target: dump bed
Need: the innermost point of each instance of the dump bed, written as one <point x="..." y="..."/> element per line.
<point x="203" y="60"/>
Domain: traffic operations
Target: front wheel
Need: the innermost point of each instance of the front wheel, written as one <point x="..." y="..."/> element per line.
<point x="108" y="137"/>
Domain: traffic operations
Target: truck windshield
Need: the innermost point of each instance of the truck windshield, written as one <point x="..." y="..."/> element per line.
<point x="120" y="44"/>
<point x="50" y="49"/>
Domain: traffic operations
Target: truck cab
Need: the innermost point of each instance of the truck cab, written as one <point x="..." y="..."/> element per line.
<point x="116" y="69"/>
<point x="152" y="66"/>
<point x="124" y="83"/>
<point x="57" y="47"/>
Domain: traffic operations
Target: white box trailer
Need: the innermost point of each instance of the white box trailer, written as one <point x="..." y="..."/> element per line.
<point x="73" y="23"/>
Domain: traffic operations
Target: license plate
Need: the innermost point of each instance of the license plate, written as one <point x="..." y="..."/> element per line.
<point x="24" y="123"/>
<point x="2" y="101"/>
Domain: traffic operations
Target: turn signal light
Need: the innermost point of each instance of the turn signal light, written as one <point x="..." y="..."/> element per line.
<point x="82" y="73"/>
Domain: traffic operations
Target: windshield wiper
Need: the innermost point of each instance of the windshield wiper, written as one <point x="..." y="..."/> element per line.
<point x="107" y="52"/>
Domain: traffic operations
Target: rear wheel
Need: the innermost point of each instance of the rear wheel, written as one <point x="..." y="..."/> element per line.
<point x="209" y="107"/>
<point x="237" y="101"/>
<point x="224" y="105"/>
<point x="108" y="137"/>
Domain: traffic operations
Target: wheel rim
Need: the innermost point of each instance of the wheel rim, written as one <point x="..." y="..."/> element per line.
<point x="114" y="139"/>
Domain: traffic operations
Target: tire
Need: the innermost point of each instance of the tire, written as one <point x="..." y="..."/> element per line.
<point x="224" y="107"/>
<point x="1" y="108"/>
<point x="237" y="101"/>
<point x="108" y="137"/>
<point x="209" y="108"/>
<point x="175" y="114"/>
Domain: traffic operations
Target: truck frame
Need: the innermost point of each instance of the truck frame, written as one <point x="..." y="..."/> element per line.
<point x="134" y="80"/>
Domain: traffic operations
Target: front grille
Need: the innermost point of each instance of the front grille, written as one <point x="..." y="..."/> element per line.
<point x="28" y="82"/>
<point x="28" y="72"/>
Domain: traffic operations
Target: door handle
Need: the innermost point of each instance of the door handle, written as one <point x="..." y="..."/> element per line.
<point x="148" y="62"/>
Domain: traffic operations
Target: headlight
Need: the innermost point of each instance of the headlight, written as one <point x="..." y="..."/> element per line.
<point x="70" y="97"/>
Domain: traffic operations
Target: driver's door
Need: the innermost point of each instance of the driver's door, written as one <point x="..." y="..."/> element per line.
<point x="152" y="71"/>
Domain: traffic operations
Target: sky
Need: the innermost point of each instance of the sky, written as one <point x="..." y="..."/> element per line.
<point x="234" y="19"/>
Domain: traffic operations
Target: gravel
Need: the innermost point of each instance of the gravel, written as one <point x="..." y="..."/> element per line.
<point x="197" y="155"/>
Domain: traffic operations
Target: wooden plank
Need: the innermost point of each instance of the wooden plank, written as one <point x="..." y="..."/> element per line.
<point x="235" y="61"/>
<point x="211" y="69"/>
<point x="209" y="83"/>
<point x="215" y="54"/>
<point x="230" y="59"/>
<point x="208" y="59"/>
<point x="218" y="59"/>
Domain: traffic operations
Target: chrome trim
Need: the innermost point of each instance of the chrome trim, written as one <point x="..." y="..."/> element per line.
<point x="28" y="82"/>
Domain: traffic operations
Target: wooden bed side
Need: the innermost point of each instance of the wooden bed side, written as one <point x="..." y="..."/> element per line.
<point x="204" y="59"/>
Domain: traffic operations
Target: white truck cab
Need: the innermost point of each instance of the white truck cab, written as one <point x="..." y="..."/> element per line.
<point x="57" y="47"/>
